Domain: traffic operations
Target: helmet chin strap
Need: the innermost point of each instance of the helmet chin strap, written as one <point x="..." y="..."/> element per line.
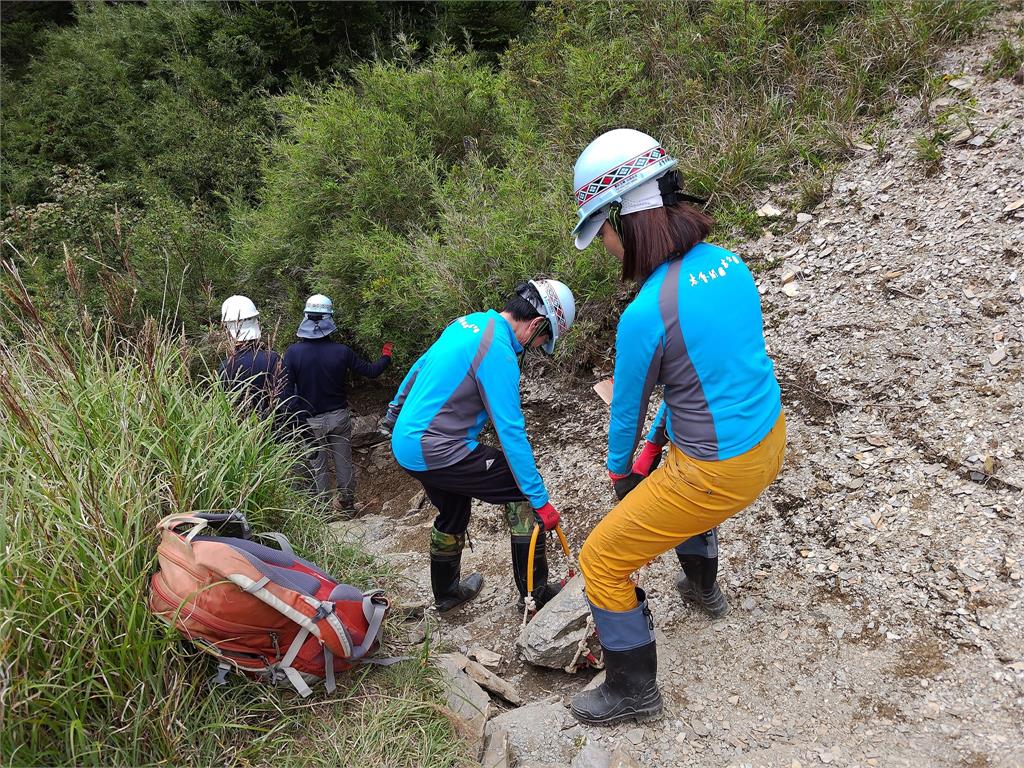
<point x="540" y="329"/>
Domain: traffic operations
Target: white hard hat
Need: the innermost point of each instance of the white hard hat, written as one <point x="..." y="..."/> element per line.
<point x="239" y="314"/>
<point x="318" y="304"/>
<point x="613" y="164"/>
<point x="559" y="309"/>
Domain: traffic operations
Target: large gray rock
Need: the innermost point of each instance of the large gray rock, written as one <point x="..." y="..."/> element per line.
<point x="539" y="733"/>
<point x="468" y="702"/>
<point x="483" y="677"/>
<point x="364" y="431"/>
<point x="622" y="759"/>
<point x="553" y="635"/>
<point x="592" y="756"/>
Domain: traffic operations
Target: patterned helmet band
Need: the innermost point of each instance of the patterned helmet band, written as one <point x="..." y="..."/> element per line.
<point x="556" y="305"/>
<point x="618" y="174"/>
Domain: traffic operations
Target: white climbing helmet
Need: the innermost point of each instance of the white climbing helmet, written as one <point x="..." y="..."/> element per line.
<point x="612" y="164"/>
<point x="317" y="318"/>
<point x="239" y="314"/>
<point x="559" y="309"/>
<point x="318" y="304"/>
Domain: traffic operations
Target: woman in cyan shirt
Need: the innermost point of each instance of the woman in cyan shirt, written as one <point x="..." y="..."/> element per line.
<point x="695" y="328"/>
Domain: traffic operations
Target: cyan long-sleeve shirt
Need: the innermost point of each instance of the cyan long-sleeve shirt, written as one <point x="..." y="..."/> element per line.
<point x="469" y="375"/>
<point x="696" y="328"/>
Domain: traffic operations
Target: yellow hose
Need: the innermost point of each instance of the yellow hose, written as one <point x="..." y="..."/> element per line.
<point x="533" y="545"/>
<point x="529" y="559"/>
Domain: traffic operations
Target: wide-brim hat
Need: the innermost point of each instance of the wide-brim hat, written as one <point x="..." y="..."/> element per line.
<point x="316" y="329"/>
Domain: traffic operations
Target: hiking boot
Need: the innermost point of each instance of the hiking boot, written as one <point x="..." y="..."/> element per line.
<point x="449" y="591"/>
<point x="543" y="592"/>
<point x="698" y="584"/>
<point x="630" y="689"/>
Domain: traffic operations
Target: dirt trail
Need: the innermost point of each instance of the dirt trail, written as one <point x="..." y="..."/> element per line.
<point x="875" y="588"/>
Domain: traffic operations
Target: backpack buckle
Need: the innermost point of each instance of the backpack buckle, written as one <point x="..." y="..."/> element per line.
<point x="221" y="678"/>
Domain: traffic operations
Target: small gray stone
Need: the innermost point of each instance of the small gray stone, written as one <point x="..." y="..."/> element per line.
<point x="364" y="431"/>
<point x="530" y="729"/>
<point x="622" y="759"/>
<point x="497" y="753"/>
<point x="700" y="728"/>
<point x="592" y="756"/>
<point x="468" y="702"/>
<point x="635" y="735"/>
<point x="489" y="681"/>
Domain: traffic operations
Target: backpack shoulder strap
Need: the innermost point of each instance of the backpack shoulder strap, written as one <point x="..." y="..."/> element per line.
<point x="374" y="608"/>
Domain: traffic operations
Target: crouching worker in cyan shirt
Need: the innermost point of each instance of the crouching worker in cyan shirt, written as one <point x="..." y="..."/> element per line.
<point x="469" y="376"/>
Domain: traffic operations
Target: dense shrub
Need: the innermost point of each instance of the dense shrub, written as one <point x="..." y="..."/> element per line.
<point x="422" y="190"/>
<point x="280" y="158"/>
<point x="131" y="91"/>
<point x="401" y="196"/>
<point x="94" y="247"/>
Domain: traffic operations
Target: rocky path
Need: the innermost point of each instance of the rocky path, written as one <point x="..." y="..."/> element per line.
<point x="876" y="587"/>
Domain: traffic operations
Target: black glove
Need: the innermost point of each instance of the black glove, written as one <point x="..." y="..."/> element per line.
<point x="624" y="485"/>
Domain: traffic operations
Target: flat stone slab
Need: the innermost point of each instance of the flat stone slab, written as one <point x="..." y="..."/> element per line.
<point x="468" y="702"/>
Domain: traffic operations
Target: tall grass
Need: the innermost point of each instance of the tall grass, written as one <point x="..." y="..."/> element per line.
<point x="98" y="440"/>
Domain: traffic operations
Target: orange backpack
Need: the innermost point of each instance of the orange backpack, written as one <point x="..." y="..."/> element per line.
<point x="261" y="610"/>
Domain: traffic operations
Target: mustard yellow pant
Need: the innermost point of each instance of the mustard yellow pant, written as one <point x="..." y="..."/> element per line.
<point x="680" y="499"/>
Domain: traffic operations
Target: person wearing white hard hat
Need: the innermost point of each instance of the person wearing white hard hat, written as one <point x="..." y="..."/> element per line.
<point x="318" y="369"/>
<point x="250" y="371"/>
<point x="694" y="327"/>
<point x="470" y="376"/>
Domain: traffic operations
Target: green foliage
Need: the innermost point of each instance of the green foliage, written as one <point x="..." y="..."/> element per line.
<point x="928" y="148"/>
<point x="397" y="196"/>
<point x="25" y="28"/>
<point x="97" y="443"/>
<point x="94" y="247"/>
<point x="414" y="160"/>
<point x="488" y="25"/>
<point x="1007" y="59"/>
<point x="127" y="91"/>
<point x="427" y="187"/>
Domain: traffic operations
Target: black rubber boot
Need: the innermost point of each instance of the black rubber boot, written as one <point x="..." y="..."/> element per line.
<point x="449" y="591"/>
<point x="542" y="591"/>
<point x="629" y="691"/>
<point x="698" y="583"/>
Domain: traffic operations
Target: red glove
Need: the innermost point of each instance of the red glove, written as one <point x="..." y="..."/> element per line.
<point x="648" y="459"/>
<point x="547" y="516"/>
<point x="385" y="351"/>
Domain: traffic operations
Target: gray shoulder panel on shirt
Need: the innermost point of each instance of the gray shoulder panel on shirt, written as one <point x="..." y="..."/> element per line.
<point x="692" y="422"/>
<point x="443" y="442"/>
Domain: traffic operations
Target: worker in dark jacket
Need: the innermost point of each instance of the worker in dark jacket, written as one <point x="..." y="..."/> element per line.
<point x="317" y="368"/>
<point x="251" y="372"/>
